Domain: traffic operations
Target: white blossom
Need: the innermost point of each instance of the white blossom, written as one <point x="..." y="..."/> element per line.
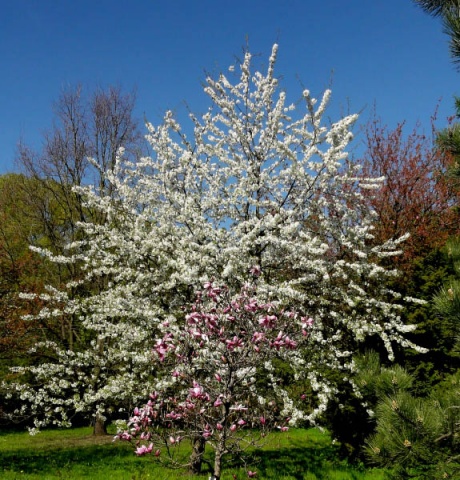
<point x="261" y="181"/>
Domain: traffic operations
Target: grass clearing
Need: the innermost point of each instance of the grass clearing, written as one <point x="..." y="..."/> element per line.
<point x="76" y="454"/>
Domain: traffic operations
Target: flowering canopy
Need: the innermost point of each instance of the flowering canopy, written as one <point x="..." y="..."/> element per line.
<point x="259" y="182"/>
<point x="220" y="375"/>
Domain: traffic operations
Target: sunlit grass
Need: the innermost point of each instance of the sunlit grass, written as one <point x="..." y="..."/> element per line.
<point x="76" y="454"/>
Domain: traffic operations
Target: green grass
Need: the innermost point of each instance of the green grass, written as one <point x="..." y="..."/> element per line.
<point x="76" y="454"/>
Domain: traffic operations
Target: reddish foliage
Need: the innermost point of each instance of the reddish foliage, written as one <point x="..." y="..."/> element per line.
<point x="17" y="335"/>
<point x="418" y="197"/>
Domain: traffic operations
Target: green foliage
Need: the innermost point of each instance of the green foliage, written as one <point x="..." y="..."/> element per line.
<point x="447" y="301"/>
<point x="419" y="436"/>
<point x="350" y="409"/>
<point x="448" y="139"/>
<point x="435" y="332"/>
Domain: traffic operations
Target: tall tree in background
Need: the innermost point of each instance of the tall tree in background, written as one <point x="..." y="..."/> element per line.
<point x="80" y="148"/>
<point x="448" y="141"/>
<point x="421" y="196"/>
<point x="418" y="196"/>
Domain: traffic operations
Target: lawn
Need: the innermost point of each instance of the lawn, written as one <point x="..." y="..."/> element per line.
<point x="76" y="454"/>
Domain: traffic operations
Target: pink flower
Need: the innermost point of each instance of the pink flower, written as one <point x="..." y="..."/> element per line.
<point x="235" y="305"/>
<point x="173" y="415"/>
<point x="258" y="337"/>
<point x="234" y="343"/>
<point x="268" y="321"/>
<point x="263" y="421"/>
<point x="290" y="344"/>
<point x="252" y="474"/>
<point x="162" y="347"/>
<point x="255" y="271"/>
<point x="196" y="333"/>
<point x="233" y="428"/>
<point x="278" y="342"/>
<point x="196" y="391"/>
<point x="219" y="426"/>
<point x="193" y="318"/>
<point x="251" y="306"/>
<point x="213" y="292"/>
<point x="307" y="322"/>
<point x="143" y="449"/>
<point x="211" y="322"/>
<point x="218" y="402"/>
<point x="218" y="377"/>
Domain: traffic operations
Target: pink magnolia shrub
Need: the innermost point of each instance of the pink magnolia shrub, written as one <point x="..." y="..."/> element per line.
<point x="220" y="383"/>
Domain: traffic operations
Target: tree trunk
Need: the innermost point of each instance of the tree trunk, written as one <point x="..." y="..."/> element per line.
<point x="196" y="458"/>
<point x="220" y="450"/>
<point x="217" y="465"/>
<point x="100" y="427"/>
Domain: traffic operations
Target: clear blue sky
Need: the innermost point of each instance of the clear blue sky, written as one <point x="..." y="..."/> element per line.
<point x="386" y="52"/>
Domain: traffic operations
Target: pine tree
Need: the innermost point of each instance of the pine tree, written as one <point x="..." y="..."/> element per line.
<point x="449" y="11"/>
<point x="417" y="437"/>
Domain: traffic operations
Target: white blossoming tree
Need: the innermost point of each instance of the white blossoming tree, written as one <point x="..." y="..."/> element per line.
<point x="260" y="183"/>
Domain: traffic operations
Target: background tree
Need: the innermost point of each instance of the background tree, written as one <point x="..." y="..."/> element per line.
<point x="80" y="149"/>
<point x="20" y="269"/>
<point x="418" y="196"/>
<point x="447" y="300"/>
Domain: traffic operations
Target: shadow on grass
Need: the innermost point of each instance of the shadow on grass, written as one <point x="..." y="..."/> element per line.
<point x="295" y="461"/>
<point x="294" y="457"/>
<point x="49" y="461"/>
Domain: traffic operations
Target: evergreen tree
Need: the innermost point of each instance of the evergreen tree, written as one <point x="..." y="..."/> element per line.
<point x="449" y="11"/>
<point x="418" y="437"/>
